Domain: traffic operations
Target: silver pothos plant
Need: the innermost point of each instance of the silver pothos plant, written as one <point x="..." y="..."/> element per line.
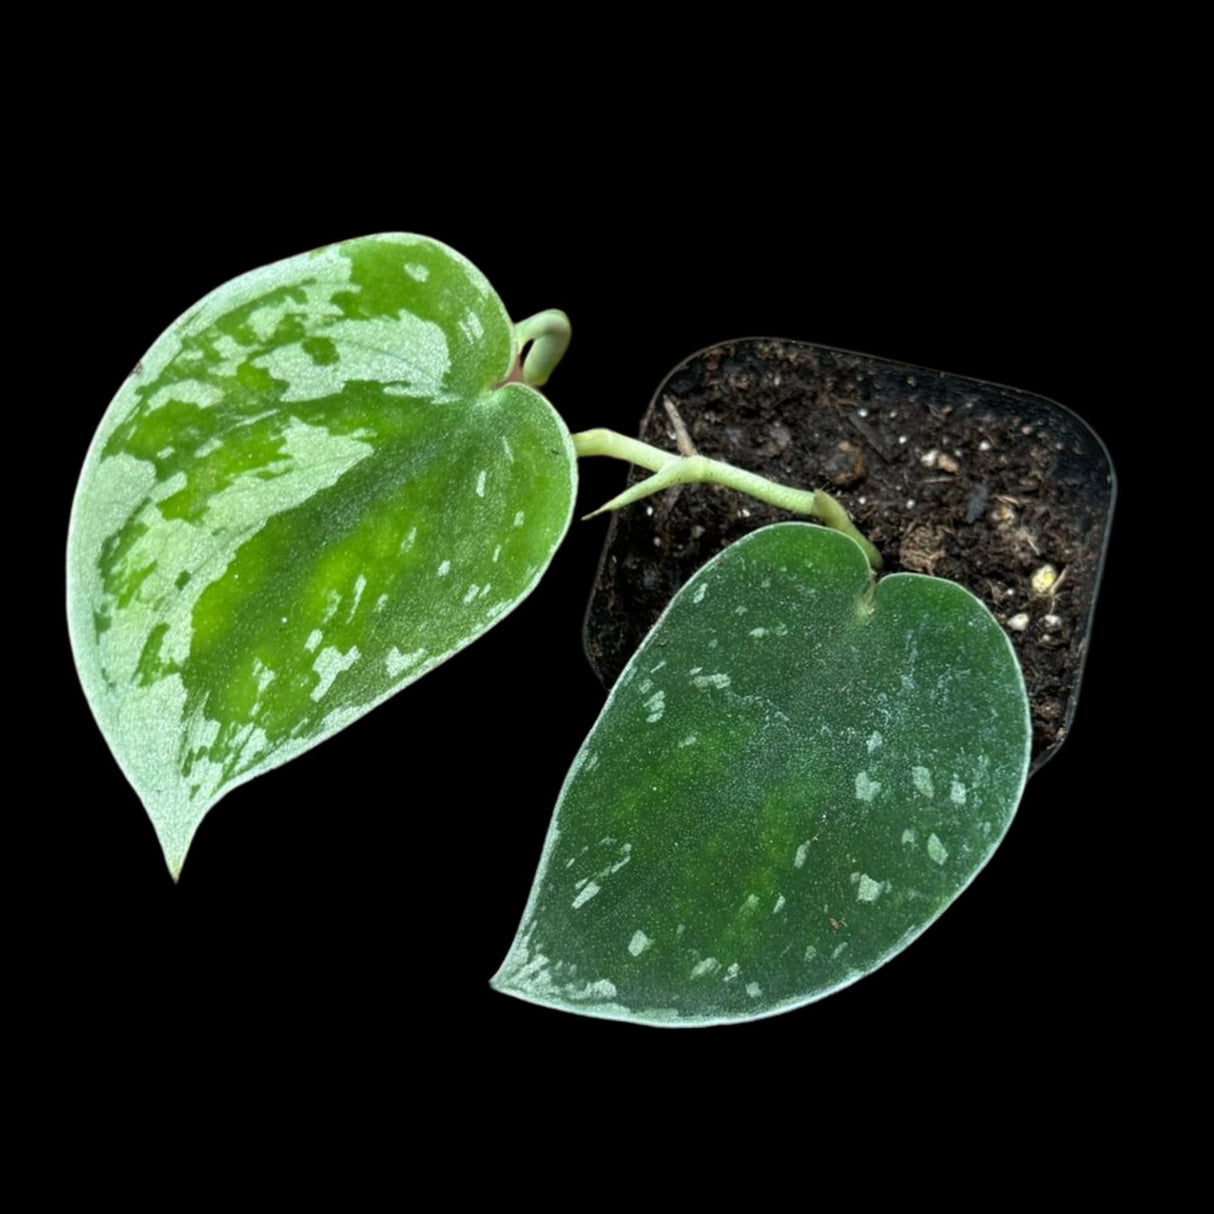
<point x="337" y="471"/>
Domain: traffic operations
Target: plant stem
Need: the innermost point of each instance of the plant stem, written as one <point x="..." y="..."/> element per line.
<point x="669" y="469"/>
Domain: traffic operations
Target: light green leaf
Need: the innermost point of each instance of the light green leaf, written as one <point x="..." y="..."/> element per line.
<point x="309" y="492"/>
<point x="793" y="777"/>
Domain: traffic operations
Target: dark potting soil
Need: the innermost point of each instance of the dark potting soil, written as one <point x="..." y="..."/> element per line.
<point x="1005" y="492"/>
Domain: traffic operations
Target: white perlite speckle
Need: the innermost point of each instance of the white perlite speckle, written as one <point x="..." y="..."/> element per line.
<point x="866" y="789"/>
<point x="956" y="794"/>
<point x="936" y="849"/>
<point x="588" y="891"/>
<point x="1043" y="579"/>
<point x="754" y="990"/>
<point x="639" y="943"/>
<point x="922" y="780"/>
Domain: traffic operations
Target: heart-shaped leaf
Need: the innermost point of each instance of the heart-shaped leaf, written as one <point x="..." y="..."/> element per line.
<point x="313" y="489"/>
<point x="795" y="774"/>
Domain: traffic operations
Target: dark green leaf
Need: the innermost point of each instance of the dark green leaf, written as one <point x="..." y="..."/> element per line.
<point x="793" y="777"/>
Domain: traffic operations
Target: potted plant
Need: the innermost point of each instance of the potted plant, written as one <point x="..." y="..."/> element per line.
<point x="134" y="718"/>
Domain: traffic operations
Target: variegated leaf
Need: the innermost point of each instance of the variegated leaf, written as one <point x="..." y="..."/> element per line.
<point x="314" y="488"/>
<point x="793" y="777"/>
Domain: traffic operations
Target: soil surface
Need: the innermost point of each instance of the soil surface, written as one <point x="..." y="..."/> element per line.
<point x="1005" y="492"/>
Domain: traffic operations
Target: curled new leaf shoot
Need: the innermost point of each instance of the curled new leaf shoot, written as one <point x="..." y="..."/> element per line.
<point x="548" y="334"/>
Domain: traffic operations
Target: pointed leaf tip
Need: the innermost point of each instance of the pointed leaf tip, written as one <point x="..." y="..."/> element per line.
<point x="308" y="494"/>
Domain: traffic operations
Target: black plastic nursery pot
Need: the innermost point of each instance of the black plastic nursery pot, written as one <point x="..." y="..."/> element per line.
<point x="1006" y="492"/>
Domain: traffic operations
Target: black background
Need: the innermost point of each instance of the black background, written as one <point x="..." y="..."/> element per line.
<point x="353" y="904"/>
